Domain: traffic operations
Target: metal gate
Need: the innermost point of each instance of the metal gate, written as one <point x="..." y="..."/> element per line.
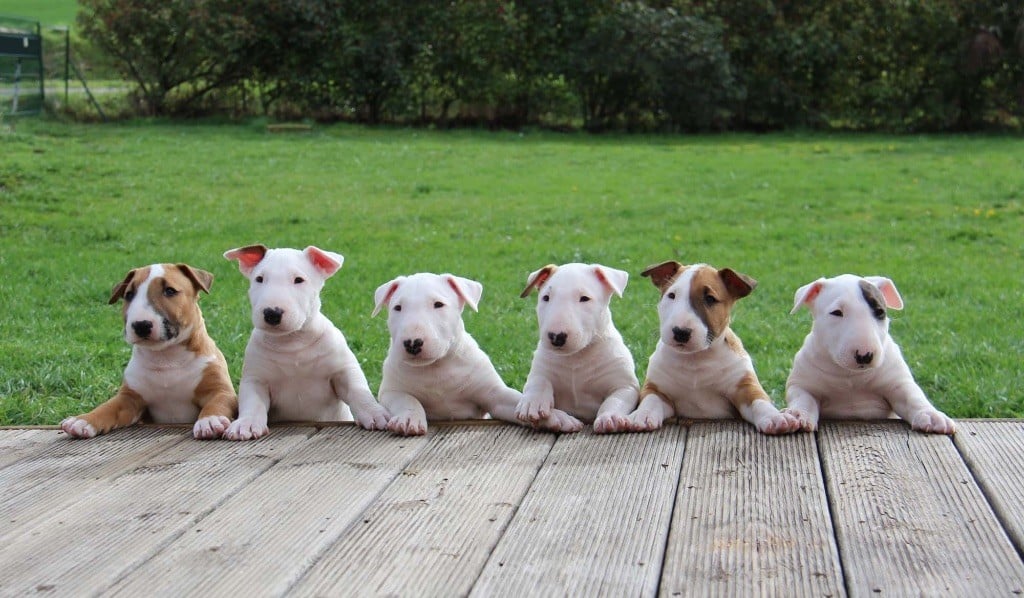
<point x="21" y="66"/>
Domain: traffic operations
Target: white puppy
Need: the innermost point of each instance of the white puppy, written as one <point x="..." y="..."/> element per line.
<point x="581" y="364"/>
<point x="297" y="366"/>
<point x="700" y="368"/>
<point x="849" y="367"/>
<point x="434" y="369"/>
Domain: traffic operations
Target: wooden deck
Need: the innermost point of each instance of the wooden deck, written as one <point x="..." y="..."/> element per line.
<point x="489" y="509"/>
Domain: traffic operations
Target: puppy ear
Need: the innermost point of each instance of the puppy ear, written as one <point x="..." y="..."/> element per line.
<point x="663" y="274"/>
<point x="889" y="292"/>
<point x="382" y="296"/>
<point x="326" y="262"/>
<point x="739" y="285"/>
<point x="469" y="291"/>
<point x="612" y="278"/>
<point x="806" y="294"/>
<point x="119" y="289"/>
<point x="247" y="257"/>
<point x="537" y="279"/>
<point x="201" y="279"/>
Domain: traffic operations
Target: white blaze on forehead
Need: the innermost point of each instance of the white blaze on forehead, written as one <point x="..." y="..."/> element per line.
<point x="685" y="281"/>
<point x="142" y="292"/>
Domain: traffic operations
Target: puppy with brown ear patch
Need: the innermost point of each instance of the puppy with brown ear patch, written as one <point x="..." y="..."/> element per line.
<point x="176" y="373"/>
<point x="699" y="368"/>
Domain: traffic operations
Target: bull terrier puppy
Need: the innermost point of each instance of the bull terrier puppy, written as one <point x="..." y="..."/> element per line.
<point x="699" y="368"/>
<point x="849" y="367"/>
<point x="434" y="369"/>
<point x="581" y="365"/>
<point x="176" y="373"/>
<point x="298" y="366"/>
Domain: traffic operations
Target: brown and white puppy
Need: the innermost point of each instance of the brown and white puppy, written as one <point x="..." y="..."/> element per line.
<point x="699" y="368"/>
<point x="176" y="373"/>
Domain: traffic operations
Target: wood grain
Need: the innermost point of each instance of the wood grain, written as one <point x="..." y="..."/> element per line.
<point x="994" y="452"/>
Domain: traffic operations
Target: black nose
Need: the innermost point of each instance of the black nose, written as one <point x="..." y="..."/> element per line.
<point x="273" y="316"/>
<point x="864" y="359"/>
<point x="557" y="340"/>
<point x="142" y="328"/>
<point x="681" y="335"/>
<point x="413" y="347"/>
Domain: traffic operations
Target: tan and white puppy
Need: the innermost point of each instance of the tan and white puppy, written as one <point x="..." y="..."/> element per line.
<point x="176" y="374"/>
<point x="298" y="366"/>
<point x="581" y="364"/>
<point x="699" y="368"/>
<point x="849" y="367"/>
<point x="434" y="369"/>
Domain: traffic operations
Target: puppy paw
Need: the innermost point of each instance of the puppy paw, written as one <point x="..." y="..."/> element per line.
<point x="644" y="422"/>
<point x="560" y="421"/>
<point x="376" y="419"/>
<point x="246" y="429"/>
<point x="210" y="427"/>
<point x="532" y="410"/>
<point x="804" y="421"/>
<point x="933" y="422"/>
<point x="76" y="427"/>
<point x="779" y="423"/>
<point x="407" y="425"/>
<point x="611" y="423"/>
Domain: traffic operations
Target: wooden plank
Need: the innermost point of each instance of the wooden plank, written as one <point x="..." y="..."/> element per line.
<point x="909" y="518"/>
<point x="751" y="517"/>
<point x="994" y="451"/>
<point x="595" y="520"/>
<point x="16" y="444"/>
<point x="432" y="530"/>
<point x="37" y="486"/>
<point x="269" y="533"/>
<point x="93" y="542"/>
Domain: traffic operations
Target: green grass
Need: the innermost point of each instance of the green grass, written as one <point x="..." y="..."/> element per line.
<point x="47" y="12"/>
<point x="80" y="205"/>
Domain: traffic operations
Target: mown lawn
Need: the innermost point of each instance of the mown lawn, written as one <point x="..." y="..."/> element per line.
<point x="80" y="205"/>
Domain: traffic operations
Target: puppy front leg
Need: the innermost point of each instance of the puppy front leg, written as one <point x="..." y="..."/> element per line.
<point x="253" y="405"/>
<point x="538" y="399"/>
<point x="407" y="415"/>
<point x="355" y="391"/>
<point x="613" y="415"/>
<point x="653" y="410"/>
<point x="218" y="405"/>
<point x="753" y="404"/>
<point x="508" y="399"/>
<point x="123" y="409"/>
<point x="910" y="403"/>
<point x="803" y="406"/>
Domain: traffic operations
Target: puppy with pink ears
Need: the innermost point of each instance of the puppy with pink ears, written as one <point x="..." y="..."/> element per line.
<point x="699" y="368"/>
<point x="849" y="367"/>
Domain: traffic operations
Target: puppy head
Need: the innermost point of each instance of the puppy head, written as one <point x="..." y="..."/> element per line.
<point x="696" y="302"/>
<point x="425" y="314"/>
<point x="284" y="284"/>
<point x="850" y="317"/>
<point x="573" y="305"/>
<point x="161" y="303"/>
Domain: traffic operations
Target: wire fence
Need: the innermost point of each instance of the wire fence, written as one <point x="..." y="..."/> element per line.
<point x="22" y="89"/>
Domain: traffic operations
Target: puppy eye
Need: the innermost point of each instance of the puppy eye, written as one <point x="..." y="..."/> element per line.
<point x="299" y="280"/>
<point x="671" y="295"/>
<point x="398" y="308"/>
<point x="129" y="296"/>
<point x="584" y="299"/>
<point x="837" y="313"/>
<point x="259" y="279"/>
<point x="546" y="298"/>
<point x="170" y="292"/>
<point x="710" y="300"/>
<point x="438" y="305"/>
<point x="880" y="314"/>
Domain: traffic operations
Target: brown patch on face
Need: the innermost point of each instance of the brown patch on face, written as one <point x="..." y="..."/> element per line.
<point x="748" y="390"/>
<point x="664" y="274"/>
<point x="711" y="300"/>
<point x="175" y="297"/>
<point x="874" y="298"/>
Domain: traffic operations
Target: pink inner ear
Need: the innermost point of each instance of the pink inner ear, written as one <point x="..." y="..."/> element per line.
<point x="247" y="257"/>
<point x="321" y="261"/>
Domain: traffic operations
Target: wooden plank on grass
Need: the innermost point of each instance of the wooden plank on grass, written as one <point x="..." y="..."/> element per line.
<point x="909" y="518"/>
<point x="994" y="451"/>
<point x="430" y="533"/>
<point x="91" y="543"/>
<point x="595" y="520"/>
<point x="69" y="469"/>
<point x="269" y="534"/>
<point x="751" y="517"/>
<point x="18" y="444"/>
